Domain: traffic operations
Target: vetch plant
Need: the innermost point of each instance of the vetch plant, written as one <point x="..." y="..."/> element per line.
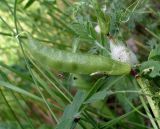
<point x="69" y="74"/>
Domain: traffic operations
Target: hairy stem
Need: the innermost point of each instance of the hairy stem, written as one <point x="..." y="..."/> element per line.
<point x="146" y="88"/>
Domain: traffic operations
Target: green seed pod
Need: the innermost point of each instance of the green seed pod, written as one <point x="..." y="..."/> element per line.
<point x="76" y="62"/>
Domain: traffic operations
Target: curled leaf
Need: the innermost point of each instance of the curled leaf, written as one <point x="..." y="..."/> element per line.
<point x="155" y="53"/>
<point x="150" y="68"/>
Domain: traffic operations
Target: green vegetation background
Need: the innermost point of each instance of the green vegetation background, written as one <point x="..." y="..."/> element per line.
<point x="34" y="96"/>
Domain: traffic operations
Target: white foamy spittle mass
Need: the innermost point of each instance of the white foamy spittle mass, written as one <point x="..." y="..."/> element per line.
<point x="121" y="53"/>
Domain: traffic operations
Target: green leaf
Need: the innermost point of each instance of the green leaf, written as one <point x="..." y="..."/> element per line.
<point x="17" y="89"/>
<point x="82" y="31"/>
<point x="71" y="111"/>
<point x="29" y="3"/>
<point x="151" y="68"/>
<point x="22" y="91"/>
<point x="94" y="96"/>
<point x="65" y="124"/>
<point x="125" y="84"/>
<point x="94" y="88"/>
<point x="9" y="125"/>
<point x="155" y="53"/>
<point x="97" y="96"/>
<point x="23" y="74"/>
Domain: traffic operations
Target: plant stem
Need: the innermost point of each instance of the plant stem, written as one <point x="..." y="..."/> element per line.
<point x="146" y="88"/>
<point x="148" y="113"/>
<point x="28" y="66"/>
<point x="152" y="33"/>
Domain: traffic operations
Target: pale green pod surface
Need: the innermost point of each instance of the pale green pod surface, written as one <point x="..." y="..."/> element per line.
<point x="76" y="62"/>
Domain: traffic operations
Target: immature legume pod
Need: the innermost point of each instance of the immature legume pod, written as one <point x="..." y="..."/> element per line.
<point x="76" y="62"/>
